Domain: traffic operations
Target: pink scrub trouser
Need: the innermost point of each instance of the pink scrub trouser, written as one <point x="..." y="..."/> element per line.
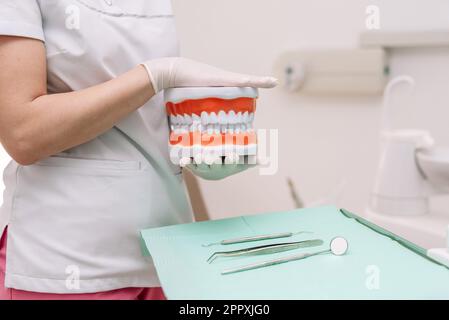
<point x="120" y="294"/>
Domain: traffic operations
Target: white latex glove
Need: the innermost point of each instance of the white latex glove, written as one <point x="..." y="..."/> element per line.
<point x="167" y="73"/>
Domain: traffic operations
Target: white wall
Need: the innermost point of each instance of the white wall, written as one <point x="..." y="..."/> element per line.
<point x="323" y="141"/>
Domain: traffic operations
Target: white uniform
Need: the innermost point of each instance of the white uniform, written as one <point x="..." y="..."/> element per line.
<point x="77" y="215"/>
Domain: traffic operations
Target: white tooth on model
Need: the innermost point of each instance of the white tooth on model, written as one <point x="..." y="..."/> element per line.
<point x="237" y="159"/>
<point x="179" y="119"/>
<point x="198" y="158"/>
<point x="204" y="118"/>
<point x="231" y="158"/>
<point x="213" y="122"/>
<point x="228" y="160"/>
<point x="232" y="119"/>
<point x="188" y="119"/>
<point x="245" y="117"/>
<point x="196" y="118"/>
<point x="185" y="123"/>
<point x="184" y="162"/>
<point x="223" y="120"/>
<point x="210" y="158"/>
<point x="194" y="122"/>
<point x="245" y="125"/>
<point x="239" y="117"/>
<point x="222" y="117"/>
<point x="205" y="157"/>
<point x="239" y="122"/>
<point x="213" y="118"/>
<point x="180" y="123"/>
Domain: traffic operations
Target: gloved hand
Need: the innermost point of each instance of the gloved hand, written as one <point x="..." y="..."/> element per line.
<point x="167" y="73"/>
<point x="219" y="171"/>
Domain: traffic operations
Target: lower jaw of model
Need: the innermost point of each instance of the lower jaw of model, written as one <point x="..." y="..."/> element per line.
<point x="212" y="131"/>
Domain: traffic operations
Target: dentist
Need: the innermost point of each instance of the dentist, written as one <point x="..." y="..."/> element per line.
<point x="82" y="115"/>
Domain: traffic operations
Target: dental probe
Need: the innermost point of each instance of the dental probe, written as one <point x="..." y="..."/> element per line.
<point x="338" y="247"/>
<point x="255" y="238"/>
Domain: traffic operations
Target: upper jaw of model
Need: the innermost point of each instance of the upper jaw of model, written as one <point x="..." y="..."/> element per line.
<point x="211" y="125"/>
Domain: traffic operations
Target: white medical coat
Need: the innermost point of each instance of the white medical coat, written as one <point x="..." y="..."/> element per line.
<point x="74" y="218"/>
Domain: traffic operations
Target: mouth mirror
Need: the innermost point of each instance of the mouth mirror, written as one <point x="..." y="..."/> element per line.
<point x="339" y="246"/>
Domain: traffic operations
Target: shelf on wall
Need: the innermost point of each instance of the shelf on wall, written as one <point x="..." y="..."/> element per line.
<point x="404" y="39"/>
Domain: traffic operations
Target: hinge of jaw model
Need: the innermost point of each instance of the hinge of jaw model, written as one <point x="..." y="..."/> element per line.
<point x="211" y="125"/>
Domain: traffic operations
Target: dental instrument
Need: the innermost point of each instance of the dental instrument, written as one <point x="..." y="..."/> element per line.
<point x="266" y="249"/>
<point x="338" y="247"/>
<point x="255" y="238"/>
<point x="294" y="194"/>
<point x="209" y="123"/>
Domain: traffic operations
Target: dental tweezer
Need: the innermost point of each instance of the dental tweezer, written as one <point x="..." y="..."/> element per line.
<point x="255" y="238"/>
<point x="338" y="247"/>
<point x="266" y="249"/>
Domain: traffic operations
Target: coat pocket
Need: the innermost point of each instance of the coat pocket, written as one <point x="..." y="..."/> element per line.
<point x="81" y="212"/>
<point x="94" y="164"/>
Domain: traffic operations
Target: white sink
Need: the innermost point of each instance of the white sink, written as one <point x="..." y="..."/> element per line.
<point x="434" y="163"/>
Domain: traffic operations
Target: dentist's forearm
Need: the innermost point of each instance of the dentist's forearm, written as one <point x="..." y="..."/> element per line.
<point x="35" y="125"/>
<point x="54" y="123"/>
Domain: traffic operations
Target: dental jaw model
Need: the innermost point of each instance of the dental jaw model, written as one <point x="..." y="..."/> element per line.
<point x="211" y="125"/>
